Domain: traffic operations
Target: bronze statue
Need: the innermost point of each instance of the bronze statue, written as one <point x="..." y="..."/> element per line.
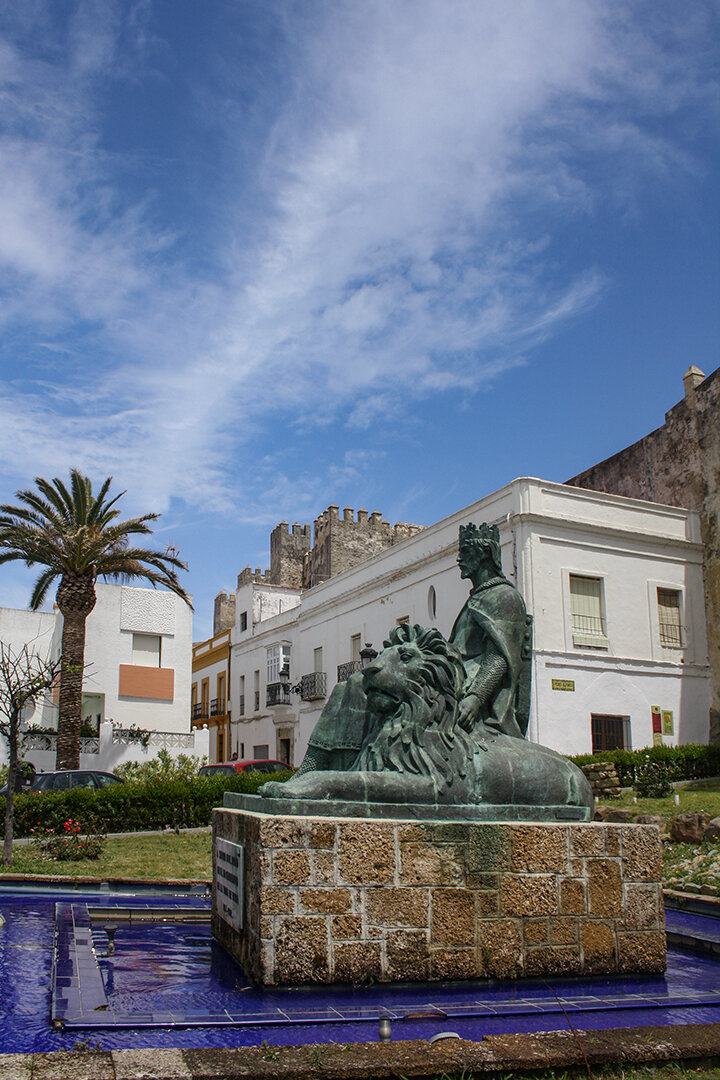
<point x="438" y="722"/>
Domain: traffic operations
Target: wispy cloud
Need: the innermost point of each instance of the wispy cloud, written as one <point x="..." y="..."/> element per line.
<point x="395" y="253"/>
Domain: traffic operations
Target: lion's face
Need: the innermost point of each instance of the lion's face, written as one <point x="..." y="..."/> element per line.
<point x="393" y="677"/>
<point x="416" y="663"/>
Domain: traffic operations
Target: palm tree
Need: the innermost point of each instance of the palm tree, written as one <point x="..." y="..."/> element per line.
<point x="75" y="536"/>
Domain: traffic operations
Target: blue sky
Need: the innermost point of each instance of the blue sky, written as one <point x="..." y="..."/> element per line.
<point x="259" y="256"/>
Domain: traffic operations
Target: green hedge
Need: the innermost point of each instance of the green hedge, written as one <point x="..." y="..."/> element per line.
<point x="688" y="762"/>
<point x="132" y="807"/>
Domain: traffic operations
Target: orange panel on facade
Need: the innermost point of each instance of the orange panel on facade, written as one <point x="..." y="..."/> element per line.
<point x="147" y="682"/>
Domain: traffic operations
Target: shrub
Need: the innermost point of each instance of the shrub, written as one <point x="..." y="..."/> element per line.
<point x="162" y="767"/>
<point x="653" y="780"/>
<point x="133" y="807"/>
<point x="74" y="842"/>
<point x="691" y="761"/>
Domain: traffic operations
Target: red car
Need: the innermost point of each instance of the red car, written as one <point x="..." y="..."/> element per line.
<point x="227" y="768"/>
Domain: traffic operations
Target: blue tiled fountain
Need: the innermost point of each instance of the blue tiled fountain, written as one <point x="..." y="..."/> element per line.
<point x="169" y="984"/>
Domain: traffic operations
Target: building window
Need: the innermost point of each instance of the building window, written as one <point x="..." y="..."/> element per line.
<point x="221" y="693"/>
<point x="261" y="753"/>
<point x="355" y="646"/>
<point x="243" y="621"/>
<point x="278" y="657"/>
<point x="671" y="635"/>
<point x="241" y="700"/>
<point x="317" y="659"/>
<point x="586" y="613"/>
<point x="147" y="650"/>
<point x="432" y="604"/>
<point x="221" y="746"/>
<point x="205" y="698"/>
<point x="610" y="733"/>
<point x="256" y="691"/>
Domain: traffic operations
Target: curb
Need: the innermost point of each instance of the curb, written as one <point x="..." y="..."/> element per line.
<point x="696" y="1043"/>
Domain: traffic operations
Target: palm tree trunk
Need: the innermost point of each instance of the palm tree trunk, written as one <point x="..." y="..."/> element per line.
<point x="76" y="599"/>
<point x="71" y="683"/>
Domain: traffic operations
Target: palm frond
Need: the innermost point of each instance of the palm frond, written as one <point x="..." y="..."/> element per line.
<point x="81" y="495"/>
<point x="41" y="511"/>
<point x="41" y="587"/>
<point x="56" y="494"/>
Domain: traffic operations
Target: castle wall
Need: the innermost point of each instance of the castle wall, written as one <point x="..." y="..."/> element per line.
<point x="223" y="612"/>
<point x="287" y="554"/>
<point x="344" y="542"/>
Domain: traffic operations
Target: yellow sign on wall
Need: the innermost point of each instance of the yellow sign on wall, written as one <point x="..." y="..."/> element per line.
<point x="563" y="684"/>
<point x="668" y="726"/>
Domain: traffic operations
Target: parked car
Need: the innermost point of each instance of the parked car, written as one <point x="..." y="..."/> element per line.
<point x="227" y="768"/>
<point x="69" y="778"/>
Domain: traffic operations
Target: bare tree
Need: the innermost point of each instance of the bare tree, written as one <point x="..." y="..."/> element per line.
<point x="24" y="676"/>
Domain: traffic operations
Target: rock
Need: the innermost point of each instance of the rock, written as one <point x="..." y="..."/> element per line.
<point x="651" y="819"/>
<point x="619" y="815"/>
<point x="712" y="831"/>
<point x="689" y="828"/>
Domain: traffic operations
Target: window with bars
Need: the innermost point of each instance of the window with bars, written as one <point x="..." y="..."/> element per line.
<point x="610" y="733"/>
<point x="586" y="612"/>
<point x="669" y="621"/>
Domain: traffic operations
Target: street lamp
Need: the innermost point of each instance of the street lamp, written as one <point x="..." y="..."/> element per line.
<point x="367" y="655"/>
<point x="284" y="677"/>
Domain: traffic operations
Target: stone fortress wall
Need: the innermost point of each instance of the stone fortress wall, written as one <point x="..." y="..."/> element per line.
<point x="340" y="543"/>
<point x="678" y="464"/>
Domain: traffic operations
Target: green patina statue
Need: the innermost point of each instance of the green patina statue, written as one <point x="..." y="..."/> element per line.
<point x="442" y="723"/>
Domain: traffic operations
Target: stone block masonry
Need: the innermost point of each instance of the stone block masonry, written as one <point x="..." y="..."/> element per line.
<point x="329" y="900"/>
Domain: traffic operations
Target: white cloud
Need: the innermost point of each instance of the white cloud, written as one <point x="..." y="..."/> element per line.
<point x="398" y="255"/>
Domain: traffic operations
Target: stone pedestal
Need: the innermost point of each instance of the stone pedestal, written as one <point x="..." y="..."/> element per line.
<point x="341" y="900"/>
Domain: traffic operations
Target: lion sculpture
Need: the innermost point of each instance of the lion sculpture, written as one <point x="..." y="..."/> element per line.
<point x="414" y="751"/>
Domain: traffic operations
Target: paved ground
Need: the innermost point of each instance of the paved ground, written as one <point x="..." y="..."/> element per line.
<point x="377" y="1061"/>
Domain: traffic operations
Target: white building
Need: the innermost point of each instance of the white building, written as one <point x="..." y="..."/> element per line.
<point x="138" y="649"/>
<point x="615" y="588"/>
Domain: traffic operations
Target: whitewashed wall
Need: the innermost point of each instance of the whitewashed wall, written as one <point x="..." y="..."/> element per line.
<point x="547" y="530"/>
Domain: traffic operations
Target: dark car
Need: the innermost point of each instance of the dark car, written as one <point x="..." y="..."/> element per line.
<point x="227" y="768"/>
<point x="69" y="778"/>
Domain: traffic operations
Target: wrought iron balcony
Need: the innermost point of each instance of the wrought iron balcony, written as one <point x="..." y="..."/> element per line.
<point x="344" y="671"/>
<point x="313" y="686"/>
<point x="277" y="694"/>
<point x="217" y="707"/>
<point x="200" y="712"/>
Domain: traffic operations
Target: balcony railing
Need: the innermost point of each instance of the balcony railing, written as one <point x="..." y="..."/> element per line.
<point x="344" y="671"/>
<point x="277" y="694"/>
<point x="217" y="707"/>
<point x="313" y="686"/>
<point x="200" y="712"/>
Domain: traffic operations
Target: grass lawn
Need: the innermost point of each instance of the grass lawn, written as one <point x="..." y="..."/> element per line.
<point x="187" y="856"/>
<point x="694" y="797"/>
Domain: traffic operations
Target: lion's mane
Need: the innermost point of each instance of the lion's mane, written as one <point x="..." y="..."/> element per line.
<point x="421" y="737"/>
